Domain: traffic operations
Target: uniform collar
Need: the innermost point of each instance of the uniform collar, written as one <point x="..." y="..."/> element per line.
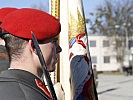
<point x="19" y="74"/>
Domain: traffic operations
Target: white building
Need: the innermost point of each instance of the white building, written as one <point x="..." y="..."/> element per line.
<point x="103" y="54"/>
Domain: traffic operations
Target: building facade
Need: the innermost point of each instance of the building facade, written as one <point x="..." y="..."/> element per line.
<point x="103" y="54"/>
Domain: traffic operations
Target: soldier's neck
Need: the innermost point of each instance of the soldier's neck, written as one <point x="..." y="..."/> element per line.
<point x="27" y="67"/>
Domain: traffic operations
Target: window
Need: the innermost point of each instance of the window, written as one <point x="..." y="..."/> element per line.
<point x="106" y="59"/>
<point x="93" y="43"/>
<point x="130" y="43"/>
<point x="94" y="59"/>
<point x="105" y="43"/>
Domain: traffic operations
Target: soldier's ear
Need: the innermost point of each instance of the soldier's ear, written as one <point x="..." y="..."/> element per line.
<point x="31" y="46"/>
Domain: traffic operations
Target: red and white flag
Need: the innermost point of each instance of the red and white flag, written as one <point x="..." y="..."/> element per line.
<point x="81" y="77"/>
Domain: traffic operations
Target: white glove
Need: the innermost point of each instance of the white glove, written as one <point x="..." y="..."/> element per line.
<point x="59" y="91"/>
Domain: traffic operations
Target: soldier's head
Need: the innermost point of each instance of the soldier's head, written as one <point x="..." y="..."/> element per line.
<point x="3" y="12"/>
<point x="17" y="27"/>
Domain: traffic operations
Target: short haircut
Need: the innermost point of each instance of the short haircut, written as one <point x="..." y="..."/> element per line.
<point x="14" y="46"/>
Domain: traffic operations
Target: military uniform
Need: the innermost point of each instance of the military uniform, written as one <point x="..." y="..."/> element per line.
<point x="21" y="85"/>
<point x="4" y="61"/>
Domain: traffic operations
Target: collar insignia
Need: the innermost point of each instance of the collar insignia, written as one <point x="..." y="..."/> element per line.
<point x="43" y="88"/>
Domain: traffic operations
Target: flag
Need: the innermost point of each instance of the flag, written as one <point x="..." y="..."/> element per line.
<point x="81" y="75"/>
<point x="76" y="74"/>
<point x="58" y="8"/>
<point x="64" y="55"/>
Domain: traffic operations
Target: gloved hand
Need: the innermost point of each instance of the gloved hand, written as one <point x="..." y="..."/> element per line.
<point x="59" y="91"/>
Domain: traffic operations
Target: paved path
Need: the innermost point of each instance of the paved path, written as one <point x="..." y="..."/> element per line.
<point x="115" y="87"/>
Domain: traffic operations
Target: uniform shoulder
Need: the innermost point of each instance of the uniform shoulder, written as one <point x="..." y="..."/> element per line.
<point x="18" y="89"/>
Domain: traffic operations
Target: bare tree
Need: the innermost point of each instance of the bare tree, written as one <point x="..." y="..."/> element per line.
<point x="114" y="20"/>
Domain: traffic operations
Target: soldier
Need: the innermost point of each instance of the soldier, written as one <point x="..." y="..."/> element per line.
<point x="4" y="61"/>
<point x="22" y="81"/>
<point x="95" y="74"/>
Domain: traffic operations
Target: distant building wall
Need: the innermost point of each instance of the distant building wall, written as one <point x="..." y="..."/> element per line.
<point x="102" y="53"/>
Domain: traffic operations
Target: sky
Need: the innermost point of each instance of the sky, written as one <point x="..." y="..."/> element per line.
<point x="20" y="3"/>
<point x="24" y="3"/>
<point x="89" y="5"/>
